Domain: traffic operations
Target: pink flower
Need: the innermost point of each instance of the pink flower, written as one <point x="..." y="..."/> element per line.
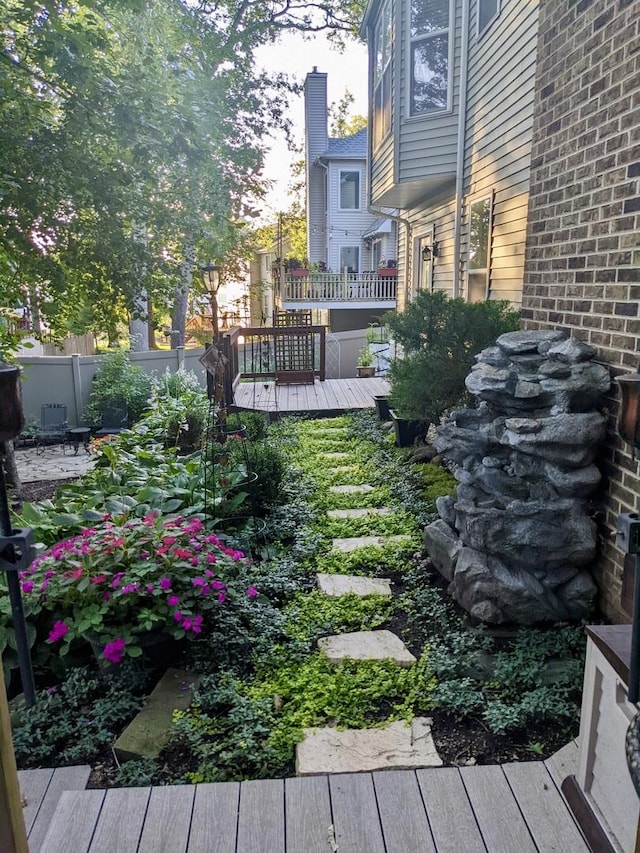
<point x="150" y="588"/>
<point x="177" y="616"/>
<point x="252" y="592"/>
<point x="222" y="597"/>
<point x="168" y="541"/>
<point x="77" y="574"/>
<point x="173" y="601"/>
<point x="98" y="579"/>
<point x="165" y="583"/>
<point x="197" y="624"/>
<point x="114" y="651"/>
<point x="59" y="630"/>
<point x="27" y="587"/>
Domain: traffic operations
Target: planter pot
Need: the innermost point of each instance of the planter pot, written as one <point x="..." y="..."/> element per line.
<point x="382" y="407"/>
<point x="388" y="272"/>
<point x="407" y="431"/>
<point x="367" y="371"/>
<point x="299" y="272"/>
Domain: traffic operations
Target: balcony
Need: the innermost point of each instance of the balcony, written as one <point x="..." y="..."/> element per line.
<point x="338" y="290"/>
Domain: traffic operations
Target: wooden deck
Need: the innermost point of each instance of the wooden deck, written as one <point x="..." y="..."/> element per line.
<point x="331" y="397"/>
<point x="499" y="809"/>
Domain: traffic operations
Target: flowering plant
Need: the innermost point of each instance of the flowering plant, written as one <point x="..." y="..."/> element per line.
<point x="127" y="577"/>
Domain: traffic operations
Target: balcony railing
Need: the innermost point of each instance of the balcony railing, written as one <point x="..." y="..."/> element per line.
<point x="340" y="287"/>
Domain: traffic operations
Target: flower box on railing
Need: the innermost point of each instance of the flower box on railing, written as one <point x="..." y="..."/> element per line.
<point x="298" y="272"/>
<point x="388" y="272"/>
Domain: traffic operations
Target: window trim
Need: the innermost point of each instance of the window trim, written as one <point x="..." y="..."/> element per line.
<point x="410" y="115"/>
<point x="476" y="199"/>
<point x="481" y="33"/>
<point x="345" y="171"/>
<point x="377" y="140"/>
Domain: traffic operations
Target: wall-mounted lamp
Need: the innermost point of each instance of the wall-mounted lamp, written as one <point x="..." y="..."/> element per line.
<point x="629" y="414"/>
<point x="430" y="252"/>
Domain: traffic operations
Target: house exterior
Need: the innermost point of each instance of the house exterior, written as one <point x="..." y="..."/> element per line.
<point x="451" y="86"/>
<point x="351" y="252"/>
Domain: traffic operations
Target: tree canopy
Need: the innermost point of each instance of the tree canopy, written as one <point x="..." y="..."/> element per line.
<point x="132" y="135"/>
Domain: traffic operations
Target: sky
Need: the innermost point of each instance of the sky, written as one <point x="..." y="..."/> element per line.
<point x="297" y="57"/>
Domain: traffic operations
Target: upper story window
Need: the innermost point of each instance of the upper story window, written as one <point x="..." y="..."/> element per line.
<point x="479" y="250"/>
<point x="382" y="51"/>
<point x="350" y="190"/>
<point x="488" y="10"/>
<point x="429" y="45"/>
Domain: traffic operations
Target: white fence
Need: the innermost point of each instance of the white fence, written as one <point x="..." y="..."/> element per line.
<point x="335" y="287"/>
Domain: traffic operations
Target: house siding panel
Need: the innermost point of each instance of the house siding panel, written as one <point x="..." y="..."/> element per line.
<point x="316" y="140"/>
<point x="345" y="227"/>
<point x="583" y="249"/>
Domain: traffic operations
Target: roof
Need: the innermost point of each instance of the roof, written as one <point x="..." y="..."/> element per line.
<point x="352" y="147"/>
<point x="380" y="226"/>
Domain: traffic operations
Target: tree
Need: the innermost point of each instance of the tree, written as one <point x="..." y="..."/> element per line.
<point x="342" y="124"/>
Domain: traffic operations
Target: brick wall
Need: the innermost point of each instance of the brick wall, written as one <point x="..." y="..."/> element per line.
<point x="582" y="267"/>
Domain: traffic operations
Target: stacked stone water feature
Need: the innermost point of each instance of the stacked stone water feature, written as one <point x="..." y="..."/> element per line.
<point x="517" y="539"/>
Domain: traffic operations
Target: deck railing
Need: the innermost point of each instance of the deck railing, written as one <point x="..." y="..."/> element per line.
<point x="256" y="352"/>
<point x="339" y="287"/>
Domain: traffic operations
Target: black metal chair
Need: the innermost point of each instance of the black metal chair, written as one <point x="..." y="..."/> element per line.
<point x="114" y="419"/>
<point x="53" y="425"/>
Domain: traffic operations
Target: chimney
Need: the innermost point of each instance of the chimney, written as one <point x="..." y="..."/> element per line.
<point x="316" y="140"/>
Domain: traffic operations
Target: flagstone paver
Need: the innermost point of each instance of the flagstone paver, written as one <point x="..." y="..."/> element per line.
<point x="358" y="513"/>
<point x="351" y="490"/>
<point x="396" y="746"/>
<point x="366" y="645"/>
<point x="336" y="585"/>
<point x="354" y="542"/>
<point x="336" y="455"/>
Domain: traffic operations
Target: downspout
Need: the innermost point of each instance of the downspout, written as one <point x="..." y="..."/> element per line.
<point x="462" y="120"/>
<point x="318" y="162"/>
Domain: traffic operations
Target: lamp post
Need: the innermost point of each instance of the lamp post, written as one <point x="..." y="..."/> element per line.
<point x="15" y="545"/>
<point x="211" y="278"/>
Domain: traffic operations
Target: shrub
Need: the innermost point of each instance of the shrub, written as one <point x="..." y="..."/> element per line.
<point x="118" y="382"/>
<point x="179" y="409"/>
<point x="440" y="337"/>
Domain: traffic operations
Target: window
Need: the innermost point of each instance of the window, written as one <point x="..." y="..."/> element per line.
<point x="350" y="190"/>
<point x="350" y="258"/>
<point x="429" y="68"/>
<point x="479" y="250"/>
<point x="382" y="49"/>
<point x="488" y="10"/>
<point x="376" y="254"/>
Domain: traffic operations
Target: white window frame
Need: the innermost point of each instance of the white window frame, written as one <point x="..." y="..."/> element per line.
<point x="357" y="172"/>
<point x="349" y="246"/>
<point x="480" y="32"/>
<point x="411" y="41"/>
<point x="473" y="202"/>
<point x="383" y="34"/>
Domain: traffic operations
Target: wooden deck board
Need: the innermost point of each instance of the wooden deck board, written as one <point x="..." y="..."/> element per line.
<point x="563" y="763"/>
<point x="33" y="787"/>
<point x="332" y="395"/>
<point x="543" y="808"/>
<point x="496" y="811"/>
<point x="308" y="814"/>
<point x="168" y="818"/>
<point x="73" y="823"/>
<point x="261" y="817"/>
<point x="355" y="813"/>
<point x="404" y="822"/>
<point x="214" y="823"/>
<point x="62" y="779"/>
<point x="120" y="821"/>
<point x="451" y="817"/>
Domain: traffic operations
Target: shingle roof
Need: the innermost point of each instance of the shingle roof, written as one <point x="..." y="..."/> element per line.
<point x="349" y="148"/>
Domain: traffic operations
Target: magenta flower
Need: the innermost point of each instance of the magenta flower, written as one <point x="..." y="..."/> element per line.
<point x="252" y="592"/>
<point x="165" y="583"/>
<point x="222" y="597"/>
<point x="59" y="630"/>
<point x="114" y="651"/>
<point x="173" y="600"/>
<point x="27" y="587"/>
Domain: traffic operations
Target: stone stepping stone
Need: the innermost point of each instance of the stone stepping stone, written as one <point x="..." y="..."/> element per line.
<point x="395" y="747"/>
<point x="354" y="542"/>
<point x="149" y="731"/>
<point x="358" y="513"/>
<point x="340" y="469"/>
<point x="336" y="585"/>
<point x="366" y="645"/>
<point x="336" y="455"/>
<point x="350" y="490"/>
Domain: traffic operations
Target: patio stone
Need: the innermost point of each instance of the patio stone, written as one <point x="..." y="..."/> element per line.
<point x="395" y="747"/>
<point x="148" y="732"/>
<point x="350" y="490"/>
<point x="337" y="455"/>
<point x="366" y="645"/>
<point x="358" y="513"/>
<point x="354" y="542"/>
<point x="340" y="469"/>
<point x="336" y="585"/>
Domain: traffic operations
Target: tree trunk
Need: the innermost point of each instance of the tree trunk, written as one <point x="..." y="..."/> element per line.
<point x="11" y="468"/>
<point x="139" y="324"/>
<point x="181" y="299"/>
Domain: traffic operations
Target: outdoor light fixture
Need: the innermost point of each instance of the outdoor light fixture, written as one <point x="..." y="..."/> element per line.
<point x="211" y="276"/>
<point x="629" y="416"/>
<point x="430" y="252"/>
<point x="15" y="545"/>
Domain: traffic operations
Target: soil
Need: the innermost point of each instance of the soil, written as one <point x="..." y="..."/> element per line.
<point x="41" y="490"/>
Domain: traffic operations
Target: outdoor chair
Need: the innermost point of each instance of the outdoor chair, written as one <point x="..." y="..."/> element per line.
<point x="114" y="419"/>
<point x="53" y="425"/>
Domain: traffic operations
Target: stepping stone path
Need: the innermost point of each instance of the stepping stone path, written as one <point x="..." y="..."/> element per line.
<point x="337" y="585"/>
<point x="395" y="746"/>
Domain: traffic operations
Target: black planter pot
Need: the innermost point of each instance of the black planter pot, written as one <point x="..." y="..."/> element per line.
<point x="407" y="431"/>
<point x="382" y="407"/>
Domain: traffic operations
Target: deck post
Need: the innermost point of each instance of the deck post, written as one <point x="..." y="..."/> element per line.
<point x="13" y="835"/>
<point x="323" y="353"/>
